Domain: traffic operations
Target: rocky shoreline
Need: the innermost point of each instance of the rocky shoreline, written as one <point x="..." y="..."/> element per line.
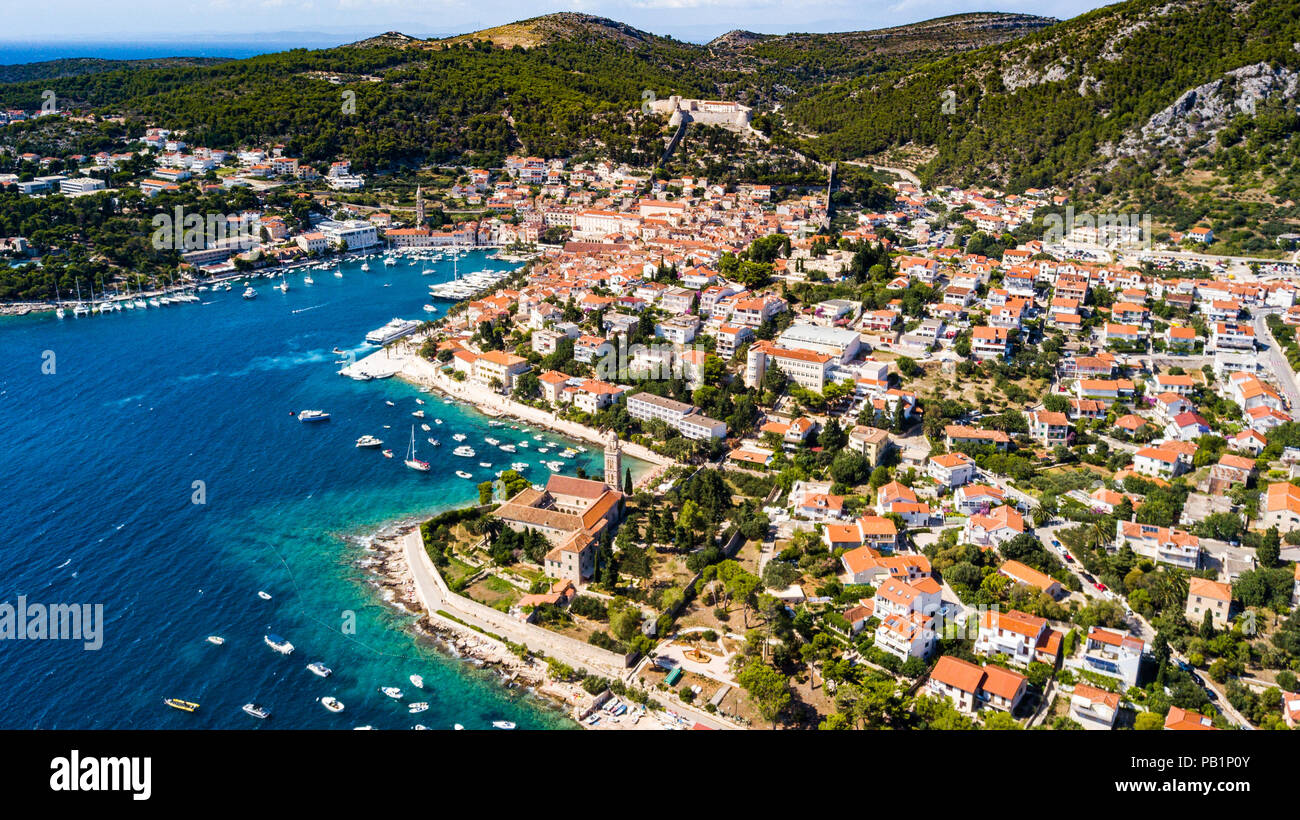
<point x="380" y="557"/>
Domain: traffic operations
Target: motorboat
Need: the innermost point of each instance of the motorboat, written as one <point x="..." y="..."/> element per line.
<point x="318" y="668"/>
<point x="417" y="681"/>
<point x="493" y="441"/>
<point x="259" y="712"/>
<point x="509" y="448"/>
<point x="458" y="727"/>
<point x="419" y="414"/>
<point x="183" y="705"/>
<point x="433" y="441"/>
<point x="487" y="465"/>
<point x="416" y="708"/>
<point x="392" y="692"/>
<point x="503" y="724"/>
<point x="216" y="640"/>
<point x="278" y="643"/>
<point x="308" y="416"/>
<point x="463" y="474"/>
<point x="520" y="466"/>
<point x="426" y="428"/>
<point x="388" y="454"/>
<point x="249" y="293"/>
<point x="265" y="596"/>
<point x="369" y="441"/>
<point x="465" y="451"/>
<point x="458" y="436"/>
<point x="331" y="703"/>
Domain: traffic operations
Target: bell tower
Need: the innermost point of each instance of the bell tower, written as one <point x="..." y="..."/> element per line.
<point x="613" y="461"/>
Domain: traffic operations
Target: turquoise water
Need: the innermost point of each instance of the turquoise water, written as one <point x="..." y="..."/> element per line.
<point x="99" y="466"/>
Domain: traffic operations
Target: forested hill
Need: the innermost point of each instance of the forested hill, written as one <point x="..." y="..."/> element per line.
<point x="75" y="66"/>
<point x="550" y="86"/>
<point x="1115" y="97"/>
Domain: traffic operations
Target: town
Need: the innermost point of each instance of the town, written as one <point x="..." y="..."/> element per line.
<point x="923" y="465"/>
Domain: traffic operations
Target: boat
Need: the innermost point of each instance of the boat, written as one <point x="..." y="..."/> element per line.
<point x="437" y="421"/>
<point x="259" y="712"/>
<point x="417" y="681"/>
<point x="249" y="293"/>
<point x="509" y="448"/>
<point x="458" y="436"/>
<point x="416" y="708"/>
<point x="308" y="416"/>
<point x="413" y="462"/>
<point x="554" y="466"/>
<point x="392" y="692"/>
<point x="458" y="727"/>
<point x="331" y="703"/>
<point x="427" y="309"/>
<point x="390" y="261"/>
<point x="426" y="428"/>
<point x="419" y="401"/>
<point x="307" y="280"/>
<point x="569" y="452"/>
<point x="284" y="286"/>
<point x="216" y="640"/>
<point x="183" y="705"/>
<point x="520" y="466"/>
<point x="493" y="441"/>
<point x="433" y="441"/>
<point x="419" y="414"/>
<point x="523" y="444"/>
<point x="463" y="474"/>
<point x="503" y="724"/>
<point x="365" y="728"/>
<point x="389" y="403"/>
<point x="318" y="668"/>
<point x="278" y="644"/>
<point x="265" y="596"/>
<point x="465" y="451"/>
<point x="420" y="727"/>
<point x="58" y="311"/>
<point x="365" y="266"/>
<point x="369" y="441"/>
<point x="487" y="465"/>
<point x="388" y="454"/>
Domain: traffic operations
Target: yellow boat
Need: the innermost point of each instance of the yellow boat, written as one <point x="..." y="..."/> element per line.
<point x="183" y="705"/>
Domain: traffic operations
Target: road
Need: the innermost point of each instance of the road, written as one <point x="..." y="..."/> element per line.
<point x="1275" y="361"/>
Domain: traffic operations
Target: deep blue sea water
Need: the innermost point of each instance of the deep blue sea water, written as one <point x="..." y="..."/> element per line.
<point x="98" y="463"/>
<point x="18" y="52"/>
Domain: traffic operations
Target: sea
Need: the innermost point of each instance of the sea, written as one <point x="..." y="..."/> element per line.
<point x="152" y="464"/>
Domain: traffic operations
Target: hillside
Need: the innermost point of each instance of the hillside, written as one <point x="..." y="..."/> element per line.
<point x="1108" y="103"/>
<point x="76" y="66"/>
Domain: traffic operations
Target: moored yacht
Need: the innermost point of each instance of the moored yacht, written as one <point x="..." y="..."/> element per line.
<point x="259" y="712"/>
<point x="369" y="441"/>
<point x="278" y="643"/>
<point x="318" y="668"/>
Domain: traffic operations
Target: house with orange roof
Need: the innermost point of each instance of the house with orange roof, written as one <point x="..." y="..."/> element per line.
<point x="1113" y="654"/>
<point x="994" y="528"/>
<point x="1166" y="545"/>
<point x="1048" y="427"/>
<point x="906" y="636"/>
<point x="1214" y="597"/>
<point x="977" y="498"/>
<point x="1160" y="462"/>
<point x="951" y="469"/>
<point x="1281" y="507"/>
<point x="1182" y="720"/>
<point x="1027" y="575"/>
<point x="1094" y="708"/>
<point x="1022" y="637"/>
<point x="971" y="687"/>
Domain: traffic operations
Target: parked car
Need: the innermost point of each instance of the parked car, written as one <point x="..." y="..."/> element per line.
<point x="1068" y="557"/>
<point x="1100" y="586"/>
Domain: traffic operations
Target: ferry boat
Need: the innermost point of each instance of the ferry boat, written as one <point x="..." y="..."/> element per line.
<point x="249" y="293"/>
<point x="318" y="668"/>
<point x="369" y="441"/>
<point x="307" y="416"/>
<point x="183" y="705"/>
<point x="417" y="681"/>
<point x="259" y="712"/>
<point x="464" y="451"/>
<point x="394" y="330"/>
<point x="392" y="692"/>
<point x="411" y="461"/>
<point x="216" y="640"/>
<point x="278" y="644"/>
<point x="331" y="703"/>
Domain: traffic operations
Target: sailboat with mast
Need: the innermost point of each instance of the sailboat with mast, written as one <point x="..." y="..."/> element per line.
<point x="411" y="460"/>
<point x="58" y="303"/>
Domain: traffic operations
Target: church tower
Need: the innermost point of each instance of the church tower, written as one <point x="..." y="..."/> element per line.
<point x="419" y="206"/>
<point x="613" y="461"/>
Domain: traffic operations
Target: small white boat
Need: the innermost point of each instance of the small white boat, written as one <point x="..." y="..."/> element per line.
<point x="458" y="436"/>
<point x="278" y="644"/>
<point x="392" y="692"/>
<point x="417" y="681"/>
<point x="458" y="727"/>
<point x="216" y="640"/>
<point x="419" y="401"/>
<point x="464" y="451"/>
<point x="419" y="414"/>
<point x="389" y="403"/>
<point x="432" y="441"/>
<point x="420" y="727"/>
<point x="485" y="464"/>
<point x="437" y="421"/>
<point x="463" y="474"/>
<point x="520" y="466"/>
<point x="265" y="596"/>
<point x="426" y="428"/>
<point x="307" y="280"/>
<point x="318" y="668"/>
<point x="416" y="708"/>
<point x="502" y="724"/>
<point x="494" y="442"/>
<point x="331" y="703"/>
<point x="369" y="441"/>
<point x="509" y="448"/>
<point x="259" y="712"/>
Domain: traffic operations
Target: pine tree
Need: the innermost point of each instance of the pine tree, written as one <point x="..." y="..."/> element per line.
<point x="627" y="481"/>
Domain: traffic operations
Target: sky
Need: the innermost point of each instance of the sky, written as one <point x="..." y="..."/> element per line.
<point x="324" y="22"/>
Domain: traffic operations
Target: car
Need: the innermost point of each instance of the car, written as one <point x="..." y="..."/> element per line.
<point x="1183" y="665"/>
<point x="1068" y="557"/>
<point x="1089" y="578"/>
<point x="1100" y="586"/>
<point x="1056" y="543"/>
